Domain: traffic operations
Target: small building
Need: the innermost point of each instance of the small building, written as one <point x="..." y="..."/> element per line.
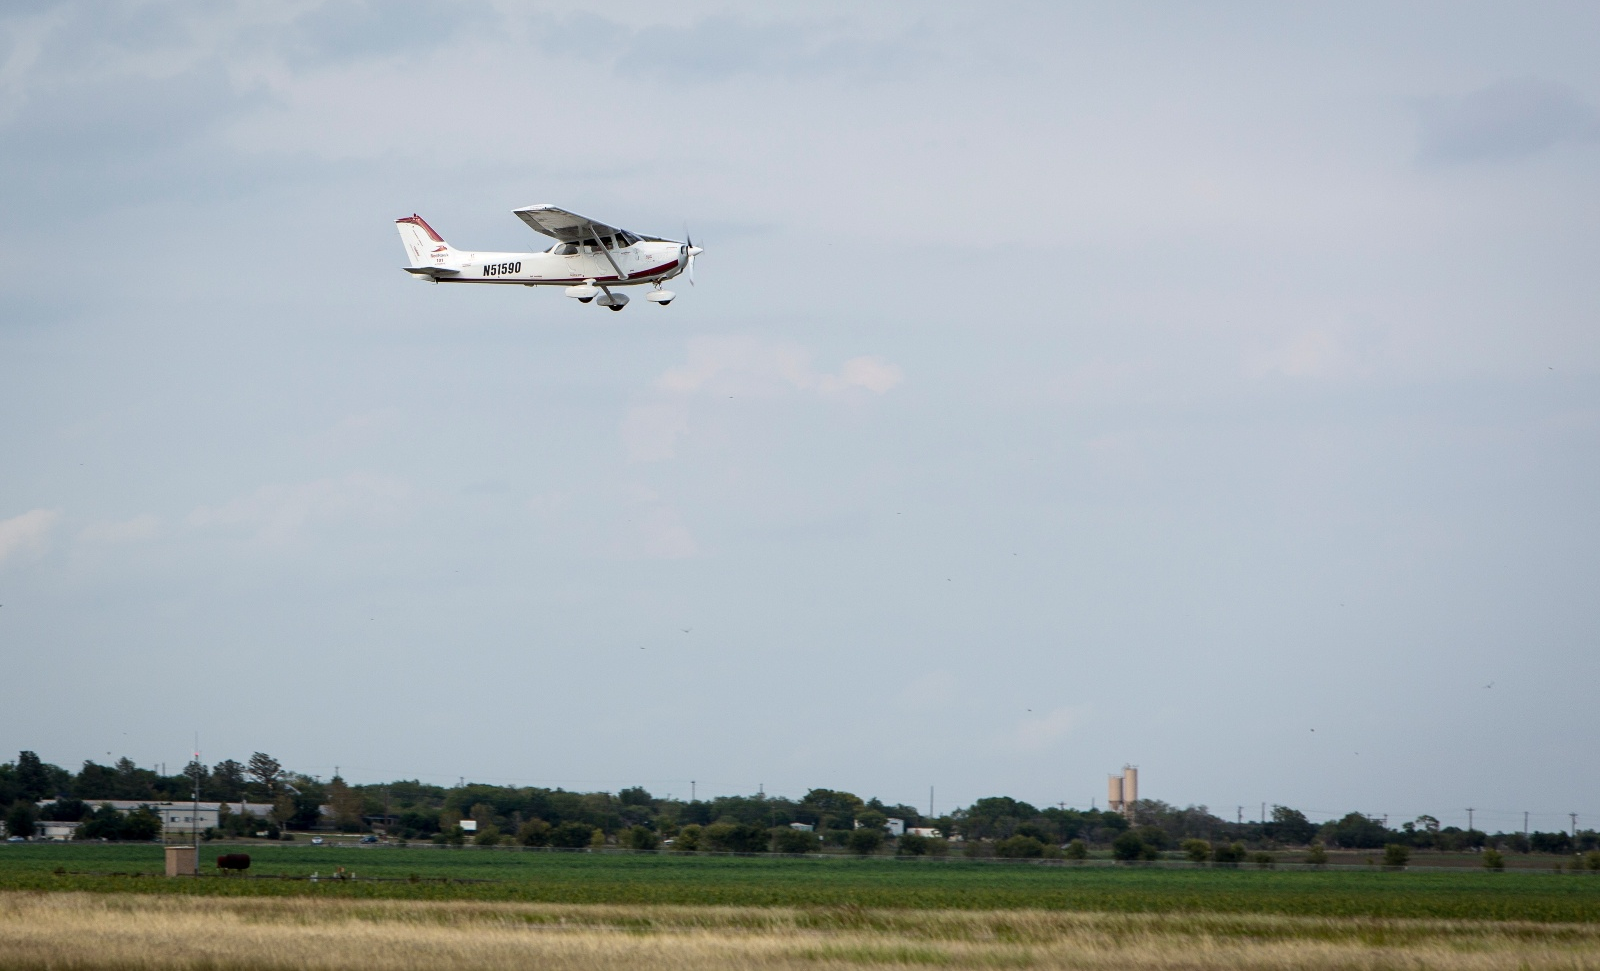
<point x="469" y="825"/>
<point x="897" y="827"/>
<point x="177" y="818"/>
<point x="927" y="831"/>
<point x="802" y="827"/>
<point x="54" y="829"/>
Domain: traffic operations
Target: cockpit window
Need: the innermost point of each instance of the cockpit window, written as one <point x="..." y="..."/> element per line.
<point x="621" y="241"/>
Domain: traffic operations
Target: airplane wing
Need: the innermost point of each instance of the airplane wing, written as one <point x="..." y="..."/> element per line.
<point x="559" y="224"/>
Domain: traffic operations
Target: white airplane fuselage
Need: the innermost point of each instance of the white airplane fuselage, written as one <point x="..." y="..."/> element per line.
<point x="643" y="262"/>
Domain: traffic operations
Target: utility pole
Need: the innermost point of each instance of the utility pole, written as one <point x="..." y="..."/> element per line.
<point x="1263" y="814"/>
<point x="1240" y="818"/>
<point x="1574" y="828"/>
<point x="1469" y="819"/>
<point x="1524" y="824"/>
<point x="930" y="802"/>
<point x="691" y="790"/>
<point x="195" y="819"/>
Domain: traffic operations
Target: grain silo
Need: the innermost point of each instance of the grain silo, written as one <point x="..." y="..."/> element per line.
<point x="1114" y="793"/>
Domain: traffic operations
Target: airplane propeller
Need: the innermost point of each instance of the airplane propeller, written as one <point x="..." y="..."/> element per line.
<point x="690" y="251"/>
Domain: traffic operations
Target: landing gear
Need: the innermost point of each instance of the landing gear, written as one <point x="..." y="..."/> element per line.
<point x="660" y="296"/>
<point x="583" y="292"/>
<point x="616" y="301"/>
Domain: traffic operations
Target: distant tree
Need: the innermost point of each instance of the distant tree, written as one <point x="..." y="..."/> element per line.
<point x="1492" y="860"/>
<point x="33" y="780"/>
<point x="141" y="824"/>
<point x="95" y="782"/>
<point x="872" y="818"/>
<point x="228" y="781"/>
<point x="571" y="834"/>
<point x="642" y="838"/>
<point x="911" y="844"/>
<point x="1229" y="853"/>
<point x="487" y="835"/>
<point x="1317" y="854"/>
<point x="597" y="838"/>
<point x="105" y="823"/>
<point x="865" y="841"/>
<point x="1077" y="850"/>
<point x="534" y="832"/>
<point x="1550" y="843"/>
<point x="20" y="818"/>
<point x="736" y="837"/>
<point x="1197" y="851"/>
<point x="1517" y="843"/>
<point x="345" y="804"/>
<point x="133" y="782"/>
<point x="1019" y="847"/>
<point x="688" y="838"/>
<point x="1155" y="836"/>
<point x="786" y="840"/>
<point x="1591" y="860"/>
<point x="265" y="775"/>
<point x="636" y="796"/>
<point x="282" y="809"/>
<point x="1396" y="854"/>
<point x="65" y="809"/>
<point x="1128" y="847"/>
<point x="1290" y="826"/>
<point x="1040" y="829"/>
<point x="1356" y="831"/>
<point x="1263" y="860"/>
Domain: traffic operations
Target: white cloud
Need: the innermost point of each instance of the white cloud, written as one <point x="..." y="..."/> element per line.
<point x="27" y="533"/>
<point x="741" y="367"/>
<point x="282" y="513"/>
<point x="869" y="373"/>
<point x="128" y="531"/>
<point x="1048" y="729"/>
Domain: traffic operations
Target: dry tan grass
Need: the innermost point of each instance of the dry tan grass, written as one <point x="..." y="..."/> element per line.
<point x="67" y="932"/>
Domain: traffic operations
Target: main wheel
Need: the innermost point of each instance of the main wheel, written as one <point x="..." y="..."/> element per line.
<point x="616" y="307"/>
<point x="585" y="299"/>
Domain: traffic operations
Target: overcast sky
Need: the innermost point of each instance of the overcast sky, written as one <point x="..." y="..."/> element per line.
<point x="1211" y="387"/>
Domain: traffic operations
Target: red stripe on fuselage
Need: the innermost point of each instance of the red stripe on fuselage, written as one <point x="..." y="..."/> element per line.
<point x="643" y="275"/>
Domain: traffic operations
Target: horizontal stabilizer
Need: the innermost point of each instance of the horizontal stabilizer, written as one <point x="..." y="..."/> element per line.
<point x="433" y="271"/>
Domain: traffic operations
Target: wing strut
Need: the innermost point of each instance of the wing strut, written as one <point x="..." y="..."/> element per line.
<point x="600" y="241"/>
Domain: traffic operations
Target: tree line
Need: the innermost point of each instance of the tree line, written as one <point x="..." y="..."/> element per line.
<point x="534" y="816"/>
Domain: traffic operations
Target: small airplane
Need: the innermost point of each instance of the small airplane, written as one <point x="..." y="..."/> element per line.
<point x="589" y="258"/>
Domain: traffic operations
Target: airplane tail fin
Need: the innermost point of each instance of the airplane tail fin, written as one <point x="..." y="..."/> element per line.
<point x="424" y="246"/>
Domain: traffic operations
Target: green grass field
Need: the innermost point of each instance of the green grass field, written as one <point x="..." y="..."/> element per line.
<point x="585" y="878"/>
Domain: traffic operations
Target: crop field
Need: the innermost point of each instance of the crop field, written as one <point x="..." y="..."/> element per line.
<point x="389" y="873"/>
